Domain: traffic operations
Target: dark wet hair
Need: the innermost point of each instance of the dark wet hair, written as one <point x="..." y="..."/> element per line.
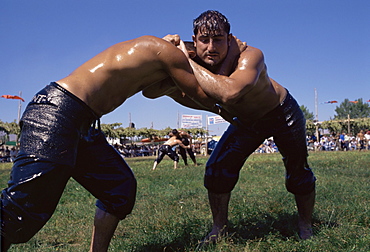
<point x="175" y="132"/>
<point x="211" y="21"/>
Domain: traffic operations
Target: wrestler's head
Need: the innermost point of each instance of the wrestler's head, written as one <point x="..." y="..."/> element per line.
<point x="211" y="22"/>
<point x="174" y="132"/>
<point x="211" y="37"/>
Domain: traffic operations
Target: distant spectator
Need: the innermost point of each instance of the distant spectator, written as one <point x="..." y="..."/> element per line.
<point x="341" y="141"/>
<point x="367" y="137"/>
<point x="353" y="144"/>
<point x="347" y="140"/>
<point x="361" y="140"/>
<point x="13" y="154"/>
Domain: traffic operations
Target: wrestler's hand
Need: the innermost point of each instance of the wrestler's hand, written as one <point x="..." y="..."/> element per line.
<point x="173" y="39"/>
<point x="182" y="47"/>
<point x="236" y="47"/>
<point x="236" y="44"/>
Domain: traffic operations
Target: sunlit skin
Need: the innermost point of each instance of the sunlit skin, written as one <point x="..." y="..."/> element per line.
<point x="243" y="88"/>
<point x="172" y="141"/>
<point x="108" y="79"/>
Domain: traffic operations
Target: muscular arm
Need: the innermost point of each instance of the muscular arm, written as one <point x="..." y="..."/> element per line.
<point x="168" y="88"/>
<point x="182" y="75"/>
<point x="228" y="89"/>
<point x="229" y="64"/>
<point x="182" y="145"/>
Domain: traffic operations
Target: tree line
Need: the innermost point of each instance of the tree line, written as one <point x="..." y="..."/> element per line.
<point x="350" y="117"/>
<point x="115" y="130"/>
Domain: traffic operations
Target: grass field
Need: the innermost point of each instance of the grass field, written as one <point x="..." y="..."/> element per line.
<point x="172" y="212"/>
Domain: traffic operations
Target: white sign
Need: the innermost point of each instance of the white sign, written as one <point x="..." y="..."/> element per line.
<point x="215" y="120"/>
<point x="191" y="121"/>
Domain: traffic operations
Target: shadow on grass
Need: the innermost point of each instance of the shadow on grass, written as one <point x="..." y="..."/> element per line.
<point x="280" y="227"/>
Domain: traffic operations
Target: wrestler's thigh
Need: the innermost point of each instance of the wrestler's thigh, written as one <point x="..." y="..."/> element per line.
<point x="173" y="155"/>
<point x="46" y="133"/>
<point x="234" y="148"/>
<point x="102" y="170"/>
<point x="291" y="140"/>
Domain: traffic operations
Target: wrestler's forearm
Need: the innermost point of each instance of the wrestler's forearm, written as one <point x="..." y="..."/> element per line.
<point x="161" y="88"/>
<point x="183" y="146"/>
<point x="230" y="62"/>
<point x="209" y="82"/>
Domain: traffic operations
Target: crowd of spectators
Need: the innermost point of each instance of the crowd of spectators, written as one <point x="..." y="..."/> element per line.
<point x="341" y="142"/>
<point x="268" y="146"/>
<point x="328" y="142"/>
<point x="8" y="155"/>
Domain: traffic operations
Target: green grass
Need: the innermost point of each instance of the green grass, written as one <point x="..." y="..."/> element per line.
<point x="172" y="212"/>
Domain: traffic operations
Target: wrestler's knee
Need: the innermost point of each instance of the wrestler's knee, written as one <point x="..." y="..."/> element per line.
<point x="218" y="180"/>
<point x="21" y="235"/>
<point x="21" y="218"/>
<point x="301" y="184"/>
<point x="121" y="201"/>
<point x="16" y="228"/>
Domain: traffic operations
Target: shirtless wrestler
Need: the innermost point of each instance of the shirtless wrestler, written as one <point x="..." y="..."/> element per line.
<point x="262" y="108"/>
<point x="58" y="142"/>
<point x="166" y="149"/>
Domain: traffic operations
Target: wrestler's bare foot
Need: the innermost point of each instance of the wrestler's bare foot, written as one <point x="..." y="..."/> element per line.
<point x="214" y="236"/>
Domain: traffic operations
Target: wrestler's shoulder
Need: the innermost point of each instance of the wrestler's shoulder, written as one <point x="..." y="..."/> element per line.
<point x="152" y="39"/>
<point x="250" y="50"/>
<point x="146" y="41"/>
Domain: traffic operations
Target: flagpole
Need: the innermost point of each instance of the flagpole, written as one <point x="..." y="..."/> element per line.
<point x="178" y="119"/>
<point x="316" y="107"/>
<point x="206" y="152"/>
<point x="19" y="107"/>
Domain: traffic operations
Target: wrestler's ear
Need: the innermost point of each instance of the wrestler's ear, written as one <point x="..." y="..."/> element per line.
<point x="190" y="48"/>
<point x="194" y="40"/>
<point x="229" y="38"/>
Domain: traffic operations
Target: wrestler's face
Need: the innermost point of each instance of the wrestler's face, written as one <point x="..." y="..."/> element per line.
<point x="211" y="47"/>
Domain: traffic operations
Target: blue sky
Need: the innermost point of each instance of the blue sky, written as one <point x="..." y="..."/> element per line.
<point x="307" y="45"/>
